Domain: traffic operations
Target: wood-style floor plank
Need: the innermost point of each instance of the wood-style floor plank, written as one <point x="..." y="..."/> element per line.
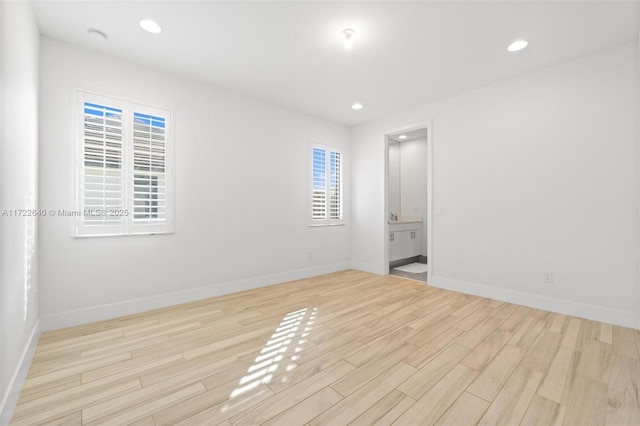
<point x="365" y="397"/>
<point x="385" y="411"/>
<point x="623" y="399"/>
<point x="543" y="411"/>
<point x="337" y="349"/>
<point x="467" y="410"/>
<point x="512" y="401"/>
<point x="439" y="398"/>
<point x="306" y="410"/>
<point x="492" y="379"/>
<point x="554" y="383"/>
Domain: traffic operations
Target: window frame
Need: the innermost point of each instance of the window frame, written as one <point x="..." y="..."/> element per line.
<point x="127" y="226"/>
<point x="327" y="221"/>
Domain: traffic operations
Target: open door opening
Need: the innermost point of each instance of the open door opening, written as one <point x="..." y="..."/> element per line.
<point x="408" y="203"/>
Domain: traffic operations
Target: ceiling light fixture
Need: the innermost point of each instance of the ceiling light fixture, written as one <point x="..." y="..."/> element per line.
<point x="150" y="26"/>
<point x="402" y="137"/>
<point x="356" y="106"/>
<point x="517" y="45"/>
<point x="348" y="38"/>
<point x="96" y="35"/>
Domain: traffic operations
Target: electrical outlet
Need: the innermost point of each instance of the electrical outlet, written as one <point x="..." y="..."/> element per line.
<point x="548" y="277"/>
<point x="309" y="255"/>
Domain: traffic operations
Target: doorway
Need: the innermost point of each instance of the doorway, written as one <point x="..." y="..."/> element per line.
<point x="408" y="202"/>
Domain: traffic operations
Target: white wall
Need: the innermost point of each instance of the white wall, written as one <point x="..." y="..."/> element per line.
<point x="394" y="178"/>
<point x="534" y="174"/>
<point x="413" y="178"/>
<point x="638" y="185"/>
<point x="19" y="176"/>
<point x="241" y="191"/>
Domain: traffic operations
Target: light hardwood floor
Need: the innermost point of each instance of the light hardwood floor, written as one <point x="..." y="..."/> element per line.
<point x="345" y="348"/>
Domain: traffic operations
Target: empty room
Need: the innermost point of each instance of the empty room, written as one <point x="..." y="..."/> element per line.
<point x="319" y="213"/>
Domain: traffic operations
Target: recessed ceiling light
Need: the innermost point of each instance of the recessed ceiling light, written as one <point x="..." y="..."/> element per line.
<point x="356" y="106"/>
<point x="517" y="45"/>
<point x="402" y="137"/>
<point x="96" y="35"/>
<point x="150" y="26"/>
<point x="348" y="37"/>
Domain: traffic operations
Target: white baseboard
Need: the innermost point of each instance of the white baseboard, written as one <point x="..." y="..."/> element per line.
<point x="17" y="380"/>
<point x="114" y="310"/>
<point x="368" y="267"/>
<point x="577" y="309"/>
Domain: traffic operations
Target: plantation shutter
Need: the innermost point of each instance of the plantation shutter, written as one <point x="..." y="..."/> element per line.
<point x="335" y="186"/>
<point x="149" y="167"/>
<point x="326" y="185"/>
<point x="101" y="164"/>
<point x="125" y="184"/>
<point x="319" y="201"/>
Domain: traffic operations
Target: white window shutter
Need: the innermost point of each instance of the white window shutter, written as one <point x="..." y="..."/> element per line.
<point x="103" y="162"/>
<point x="335" y="186"/>
<point x="149" y="167"/>
<point x="319" y="184"/>
<point x="124" y="166"/>
<point x="327" y="164"/>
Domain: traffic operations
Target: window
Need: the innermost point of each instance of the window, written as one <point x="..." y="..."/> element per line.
<point x="326" y="185"/>
<point x="124" y="168"/>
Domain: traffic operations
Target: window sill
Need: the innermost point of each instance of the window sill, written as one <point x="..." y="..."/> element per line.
<point x="131" y="234"/>
<point x="323" y="225"/>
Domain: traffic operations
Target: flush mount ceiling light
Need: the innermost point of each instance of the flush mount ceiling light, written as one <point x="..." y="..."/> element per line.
<point x="356" y="106"/>
<point x="97" y="36"/>
<point x="517" y="45"/>
<point x="402" y="137"/>
<point x="348" y="37"/>
<point x="150" y="26"/>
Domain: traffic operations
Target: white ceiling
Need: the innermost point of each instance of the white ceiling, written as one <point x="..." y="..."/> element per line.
<point x="291" y="53"/>
<point x="410" y="135"/>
